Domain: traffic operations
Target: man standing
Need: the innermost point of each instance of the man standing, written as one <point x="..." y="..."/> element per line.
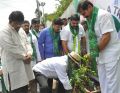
<point x="15" y="57"/>
<point x="34" y="32"/>
<point x="49" y="42"/>
<point x="104" y="45"/>
<point x="73" y="36"/>
<point x="31" y="41"/>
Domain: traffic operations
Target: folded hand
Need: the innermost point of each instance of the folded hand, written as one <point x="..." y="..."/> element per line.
<point x="27" y="59"/>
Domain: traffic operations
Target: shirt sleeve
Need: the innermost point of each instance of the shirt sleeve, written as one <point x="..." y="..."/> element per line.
<point x="7" y="43"/>
<point x="27" y="43"/>
<point x="41" y="40"/>
<point x="62" y="76"/>
<point x="81" y="31"/>
<point x="64" y="35"/>
<point x="106" y="23"/>
<point x="37" y="50"/>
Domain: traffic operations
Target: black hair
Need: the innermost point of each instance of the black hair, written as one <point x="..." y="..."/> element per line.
<point x="42" y="24"/>
<point x="68" y="18"/>
<point x="75" y="17"/>
<point x="16" y="16"/>
<point x="35" y="20"/>
<point x="84" y="5"/>
<point x="64" y="19"/>
<point x="26" y="21"/>
<point x="57" y="21"/>
<point x="84" y="22"/>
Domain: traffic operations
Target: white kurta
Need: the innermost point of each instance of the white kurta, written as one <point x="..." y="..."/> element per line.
<point x="109" y="58"/>
<point x="29" y="50"/>
<point x="12" y="54"/>
<point x="35" y="42"/>
<point x="55" y="67"/>
<point x="66" y="35"/>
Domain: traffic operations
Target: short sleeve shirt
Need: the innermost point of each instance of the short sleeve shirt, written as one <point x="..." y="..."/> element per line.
<point x="66" y="35"/>
<point x="104" y="24"/>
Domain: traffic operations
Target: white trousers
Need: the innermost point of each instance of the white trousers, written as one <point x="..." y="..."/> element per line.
<point x="109" y="77"/>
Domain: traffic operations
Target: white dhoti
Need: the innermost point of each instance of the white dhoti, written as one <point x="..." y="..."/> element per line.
<point x="109" y="77"/>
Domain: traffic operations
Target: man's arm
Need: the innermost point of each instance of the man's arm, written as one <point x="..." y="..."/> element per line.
<point x="62" y="76"/>
<point x="37" y="51"/>
<point x="106" y="28"/>
<point x="83" y="45"/>
<point x="41" y="41"/>
<point x="104" y="41"/>
<point x="82" y="39"/>
<point x="65" y="47"/>
<point x="64" y="34"/>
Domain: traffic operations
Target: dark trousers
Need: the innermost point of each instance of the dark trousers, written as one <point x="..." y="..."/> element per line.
<point x="20" y="90"/>
<point x="60" y="88"/>
<point x="46" y="84"/>
<point x="50" y="84"/>
<point x="43" y="82"/>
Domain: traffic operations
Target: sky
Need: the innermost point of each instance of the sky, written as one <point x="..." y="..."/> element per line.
<point x="26" y="6"/>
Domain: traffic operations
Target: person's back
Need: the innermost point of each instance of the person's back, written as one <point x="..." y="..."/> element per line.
<point x="55" y="67"/>
<point x="58" y="68"/>
<point x="49" y="66"/>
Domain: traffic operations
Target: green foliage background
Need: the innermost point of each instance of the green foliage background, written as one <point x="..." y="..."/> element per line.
<point x="60" y="10"/>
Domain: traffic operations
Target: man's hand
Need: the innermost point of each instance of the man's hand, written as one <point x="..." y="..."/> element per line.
<point x="27" y="59"/>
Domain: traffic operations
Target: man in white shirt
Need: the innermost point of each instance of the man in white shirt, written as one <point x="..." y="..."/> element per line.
<point x="106" y="50"/>
<point x="73" y="36"/>
<point x="55" y="67"/>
